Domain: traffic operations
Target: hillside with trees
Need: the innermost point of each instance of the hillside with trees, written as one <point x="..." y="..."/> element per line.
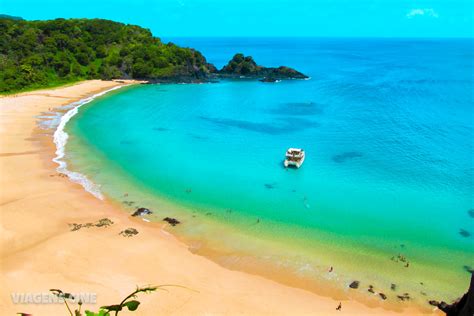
<point x="45" y="53"/>
<point x="36" y="54"/>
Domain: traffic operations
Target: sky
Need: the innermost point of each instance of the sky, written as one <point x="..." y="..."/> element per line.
<point x="269" y="18"/>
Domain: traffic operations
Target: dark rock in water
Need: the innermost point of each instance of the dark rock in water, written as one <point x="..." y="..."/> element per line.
<point x="346" y="156"/>
<point x="393" y="287"/>
<point x="245" y="67"/>
<point x="468" y="269"/>
<point x="268" y="79"/>
<point x="433" y="302"/>
<point x="404" y="297"/>
<point x="142" y="211"/>
<point x="383" y="296"/>
<point x="471" y="212"/>
<point x="443" y="306"/>
<point x="462" y="307"/>
<point x="172" y="221"/>
<point x="354" y="285"/>
<point x="464" y="233"/>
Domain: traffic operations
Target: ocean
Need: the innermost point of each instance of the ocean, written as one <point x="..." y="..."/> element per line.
<point x="384" y="197"/>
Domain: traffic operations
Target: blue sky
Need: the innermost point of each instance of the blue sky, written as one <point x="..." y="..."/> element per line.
<point x="332" y="18"/>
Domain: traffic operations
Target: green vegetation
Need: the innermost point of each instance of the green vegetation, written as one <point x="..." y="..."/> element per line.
<point x="241" y="65"/>
<point x="129" y="302"/>
<point x="36" y="54"/>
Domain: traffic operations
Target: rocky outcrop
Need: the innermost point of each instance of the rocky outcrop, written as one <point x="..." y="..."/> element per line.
<point x="142" y="211"/>
<point x="462" y="307"/>
<point x="241" y="66"/>
<point x="129" y="232"/>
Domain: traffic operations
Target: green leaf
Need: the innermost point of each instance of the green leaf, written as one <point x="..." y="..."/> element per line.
<point x="132" y="305"/>
<point x="115" y="308"/>
<point x="100" y="313"/>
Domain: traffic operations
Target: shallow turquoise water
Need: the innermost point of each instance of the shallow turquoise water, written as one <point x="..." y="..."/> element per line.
<point x="387" y="126"/>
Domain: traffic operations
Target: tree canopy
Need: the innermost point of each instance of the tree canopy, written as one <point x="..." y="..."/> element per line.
<point x="43" y="53"/>
<point x="35" y="54"/>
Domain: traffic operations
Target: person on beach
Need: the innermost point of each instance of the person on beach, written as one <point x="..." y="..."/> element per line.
<point x="339" y="307"/>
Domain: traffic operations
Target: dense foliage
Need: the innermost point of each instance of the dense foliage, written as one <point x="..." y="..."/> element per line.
<point x="45" y="53"/>
<point x="241" y="65"/>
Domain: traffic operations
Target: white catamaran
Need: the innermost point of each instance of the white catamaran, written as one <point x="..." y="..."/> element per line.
<point x="294" y="157"/>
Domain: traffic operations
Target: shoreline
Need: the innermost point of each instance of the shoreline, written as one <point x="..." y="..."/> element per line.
<point x="60" y="140"/>
<point x="40" y="252"/>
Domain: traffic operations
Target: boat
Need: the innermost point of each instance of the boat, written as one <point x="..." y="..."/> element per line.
<point x="294" y="157"/>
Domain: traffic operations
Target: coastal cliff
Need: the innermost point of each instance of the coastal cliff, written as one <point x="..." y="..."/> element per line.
<point x="36" y="54"/>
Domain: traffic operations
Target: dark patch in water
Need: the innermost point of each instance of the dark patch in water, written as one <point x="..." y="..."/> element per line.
<point x="160" y="129"/>
<point x="129" y="203"/>
<point x="197" y="136"/>
<point x="297" y="109"/>
<point x="346" y="156"/>
<point x="270" y="185"/>
<point x="464" y="233"/>
<point x="283" y="127"/>
<point x="126" y="142"/>
<point x="471" y="212"/>
<point x="468" y="269"/>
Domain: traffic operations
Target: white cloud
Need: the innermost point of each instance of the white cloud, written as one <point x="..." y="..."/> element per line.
<point x="422" y="12"/>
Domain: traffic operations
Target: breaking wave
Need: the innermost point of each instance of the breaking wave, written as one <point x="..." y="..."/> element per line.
<point x="60" y="139"/>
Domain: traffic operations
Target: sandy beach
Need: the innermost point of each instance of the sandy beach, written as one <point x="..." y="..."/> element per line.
<point x="39" y="251"/>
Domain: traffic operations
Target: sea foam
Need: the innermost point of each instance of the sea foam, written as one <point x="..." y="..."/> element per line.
<point x="60" y="139"/>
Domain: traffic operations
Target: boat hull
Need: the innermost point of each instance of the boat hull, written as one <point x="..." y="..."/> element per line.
<point x="288" y="163"/>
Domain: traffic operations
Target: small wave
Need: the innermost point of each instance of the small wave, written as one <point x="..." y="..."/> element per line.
<point x="60" y="139"/>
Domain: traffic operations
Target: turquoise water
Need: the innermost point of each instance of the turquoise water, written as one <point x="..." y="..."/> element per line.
<point x="387" y="126"/>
